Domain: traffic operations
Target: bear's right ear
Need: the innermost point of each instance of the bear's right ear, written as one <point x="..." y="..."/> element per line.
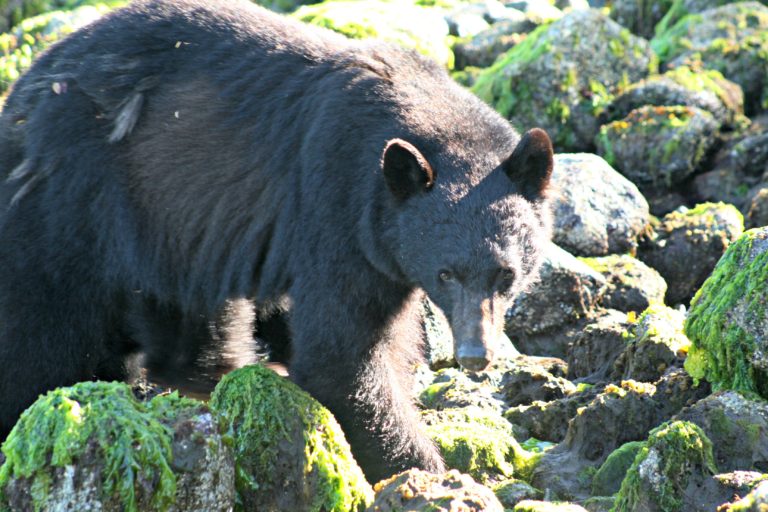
<point x="531" y="163"/>
<point x="406" y="171"/>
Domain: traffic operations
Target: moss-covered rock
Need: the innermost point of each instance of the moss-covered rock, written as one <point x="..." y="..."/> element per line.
<point x="737" y="425"/>
<point x="482" y="49"/>
<point x="755" y="501"/>
<point x="511" y="491"/>
<point x="597" y="211"/>
<point x="524" y="385"/>
<point x="728" y="320"/>
<point x="607" y="480"/>
<point x="632" y="285"/>
<point x="564" y="74"/>
<point x="19" y="47"/>
<point x="732" y="39"/>
<point x="93" y="446"/>
<point x="658" y="147"/>
<point x="290" y="454"/>
<point x="418" y="491"/>
<point x="399" y="21"/>
<point x="675" y="454"/>
<point x="656" y="342"/>
<point x="478" y="442"/>
<point x="452" y="388"/>
<point x="682" y="86"/>
<point x="687" y="244"/>
<point x="547" y="506"/>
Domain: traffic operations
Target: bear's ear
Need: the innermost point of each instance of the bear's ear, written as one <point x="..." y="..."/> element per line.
<point x="531" y="163"/>
<point x="406" y="171"/>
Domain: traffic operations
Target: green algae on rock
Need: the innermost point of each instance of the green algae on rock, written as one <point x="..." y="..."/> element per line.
<point x="728" y="319"/>
<point x="607" y="480"/>
<point x="632" y="285"/>
<point x="658" y="147"/>
<point x="732" y="39"/>
<point x="94" y="445"/>
<point x="562" y="75"/>
<point x="674" y="453"/>
<point x="290" y="454"/>
<point x="398" y="21"/>
<point x="478" y="442"/>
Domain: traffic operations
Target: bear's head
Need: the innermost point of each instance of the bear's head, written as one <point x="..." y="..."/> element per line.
<point x="470" y="230"/>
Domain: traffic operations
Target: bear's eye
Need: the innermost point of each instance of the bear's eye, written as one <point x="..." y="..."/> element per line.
<point x="446" y="276"/>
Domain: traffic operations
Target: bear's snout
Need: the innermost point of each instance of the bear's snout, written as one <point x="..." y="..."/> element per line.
<point x="474" y="357"/>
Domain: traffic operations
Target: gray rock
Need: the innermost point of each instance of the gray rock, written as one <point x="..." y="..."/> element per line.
<point x="687" y="244"/>
<point x="419" y="490"/>
<point x="704" y="89"/>
<point x="755" y="501"/>
<point x="597" y="210"/>
<point x="656" y="343"/>
<point x="632" y="285"/>
<point x="483" y="48"/>
<point x="467" y="20"/>
<point x="737" y="426"/>
<point x="757" y="215"/>
<point x="524" y="385"/>
<point x="730" y="39"/>
<point x="658" y="147"/>
<point x="562" y="76"/>
<point x="593" y="353"/>
<point x="568" y="291"/>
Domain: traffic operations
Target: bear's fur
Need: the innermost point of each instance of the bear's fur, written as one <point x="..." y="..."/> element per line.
<point x="175" y="163"/>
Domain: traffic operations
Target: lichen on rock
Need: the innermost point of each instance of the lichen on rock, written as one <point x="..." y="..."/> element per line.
<point x="290" y="454"/>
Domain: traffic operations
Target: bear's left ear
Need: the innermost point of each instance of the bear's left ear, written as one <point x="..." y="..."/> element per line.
<point x="406" y="171"/>
<point x="531" y="163"/>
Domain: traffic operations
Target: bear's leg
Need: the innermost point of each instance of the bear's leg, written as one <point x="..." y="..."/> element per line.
<point x="191" y="352"/>
<point x="359" y="362"/>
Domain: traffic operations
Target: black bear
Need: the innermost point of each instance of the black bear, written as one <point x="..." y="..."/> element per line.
<point x="177" y="164"/>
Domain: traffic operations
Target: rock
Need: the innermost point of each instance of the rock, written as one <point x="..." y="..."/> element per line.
<point x="548" y="421"/>
<point x="656" y="343"/>
<point x="562" y="76"/>
<point x="750" y="154"/>
<point x="289" y="451"/>
<point x="728" y="319"/>
<point x="593" y="353"/>
<point x="482" y="49"/>
<point x="468" y="19"/>
<point x="676" y="455"/>
<point x="658" y="147"/>
<point x="632" y="285"/>
<point x="568" y="290"/>
<point x="547" y="506"/>
<point x="721" y="185"/>
<point x="687" y="245"/>
<point x="714" y="493"/>
<point x="703" y="89"/>
<point x="755" y="501"/>
<point x="512" y="491"/>
<point x="639" y="17"/>
<point x="732" y="39"/>
<point x="597" y="210"/>
<point x="93" y="446"/>
<point x="418" y="491"/>
<point x="401" y="22"/>
<point x="624" y="413"/>
<point x="607" y="480"/>
<point x="538" y="11"/>
<point x="453" y="388"/>
<point x="737" y="425"/>
<point x="528" y="384"/>
<point x="478" y="442"/>
<point x="758" y="209"/>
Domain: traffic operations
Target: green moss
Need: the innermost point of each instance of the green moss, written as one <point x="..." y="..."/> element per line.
<point x="663" y="466"/>
<point x="130" y="436"/>
<point x="399" y="21"/>
<point x="607" y="479"/>
<point x="721" y="349"/>
<point x="480" y="443"/>
<point x="271" y="419"/>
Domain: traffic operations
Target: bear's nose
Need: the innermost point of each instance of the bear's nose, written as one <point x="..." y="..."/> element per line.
<point x="474" y="358"/>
